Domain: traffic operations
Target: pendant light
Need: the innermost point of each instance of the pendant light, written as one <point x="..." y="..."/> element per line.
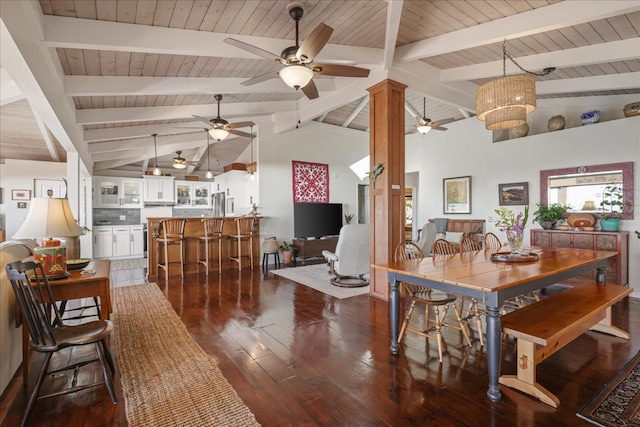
<point x="209" y="174"/>
<point x="156" y="169"/>
<point x="252" y="167"/>
<point x="505" y="102"/>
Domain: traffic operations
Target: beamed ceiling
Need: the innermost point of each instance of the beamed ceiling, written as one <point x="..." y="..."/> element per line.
<point x="99" y="77"/>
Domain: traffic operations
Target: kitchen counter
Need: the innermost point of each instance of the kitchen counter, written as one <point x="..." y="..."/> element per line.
<point x="193" y="230"/>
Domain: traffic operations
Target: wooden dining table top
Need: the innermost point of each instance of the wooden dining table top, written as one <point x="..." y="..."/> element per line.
<point x="476" y="270"/>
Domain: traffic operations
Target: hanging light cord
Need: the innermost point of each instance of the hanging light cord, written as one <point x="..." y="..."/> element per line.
<point x="252" y="148"/>
<point x="506" y="55"/>
<point x="208" y="156"/>
<point x="155" y="149"/>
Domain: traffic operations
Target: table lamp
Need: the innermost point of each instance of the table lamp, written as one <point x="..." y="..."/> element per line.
<point x="49" y="218"/>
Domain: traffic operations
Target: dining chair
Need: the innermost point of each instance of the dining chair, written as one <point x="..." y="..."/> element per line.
<point x="434" y="301"/>
<point x="467" y="244"/>
<point x="171" y="234"/>
<point x="443" y="247"/>
<point x="37" y="305"/>
<point x="491" y="241"/>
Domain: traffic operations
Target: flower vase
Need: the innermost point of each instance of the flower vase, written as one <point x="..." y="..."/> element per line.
<point x="515" y="242"/>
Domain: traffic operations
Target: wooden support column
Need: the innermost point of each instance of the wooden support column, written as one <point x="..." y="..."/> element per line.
<point x="386" y="204"/>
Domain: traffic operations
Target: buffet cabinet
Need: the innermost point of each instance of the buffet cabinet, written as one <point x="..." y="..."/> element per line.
<point x="617" y="271"/>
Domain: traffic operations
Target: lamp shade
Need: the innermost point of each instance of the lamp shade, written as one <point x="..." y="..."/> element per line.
<point x="504" y="103"/>
<point x="296" y="76"/>
<point x="49" y="218"/>
<point x="157" y="171"/>
<point x="180" y="165"/>
<point x="218" y="133"/>
<point x="424" y="129"/>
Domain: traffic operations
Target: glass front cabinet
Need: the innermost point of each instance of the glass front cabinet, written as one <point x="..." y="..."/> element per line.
<point x="191" y="194"/>
<point x="112" y="192"/>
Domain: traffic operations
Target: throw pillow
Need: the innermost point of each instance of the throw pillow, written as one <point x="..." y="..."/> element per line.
<point x="453" y="237"/>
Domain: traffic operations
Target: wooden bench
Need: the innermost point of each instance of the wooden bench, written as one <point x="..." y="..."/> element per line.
<point x="545" y="327"/>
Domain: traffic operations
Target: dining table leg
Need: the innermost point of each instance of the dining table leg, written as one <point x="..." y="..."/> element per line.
<point x="494" y="332"/>
<point x="394" y="308"/>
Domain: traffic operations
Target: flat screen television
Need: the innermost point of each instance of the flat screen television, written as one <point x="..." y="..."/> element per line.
<point x="316" y="219"/>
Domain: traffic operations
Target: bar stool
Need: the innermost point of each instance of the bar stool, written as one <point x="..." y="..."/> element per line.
<point x="212" y="233"/>
<point x="245" y="231"/>
<point x="171" y="234"/>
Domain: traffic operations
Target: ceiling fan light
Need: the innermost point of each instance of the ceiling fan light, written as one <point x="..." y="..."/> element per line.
<point x="424" y="129"/>
<point x="218" y="133"/>
<point x="296" y="76"/>
<point x="157" y="171"/>
<point x="504" y="103"/>
<point x="208" y="175"/>
<point x="180" y="165"/>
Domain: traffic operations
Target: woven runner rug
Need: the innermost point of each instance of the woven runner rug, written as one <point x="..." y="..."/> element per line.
<point x="167" y="379"/>
<point x="128" y="264"/>
<point x="317" y="276"/>
<point x="618" y="403"/>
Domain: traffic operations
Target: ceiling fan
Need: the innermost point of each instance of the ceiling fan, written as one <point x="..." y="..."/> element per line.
<point x="297" y="60"/>
<point x="180" y="162"/>
<point x="221" y="128"/>
<point x="424" y="124"/>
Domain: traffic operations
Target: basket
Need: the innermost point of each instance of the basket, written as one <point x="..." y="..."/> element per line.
<point x="270" y="245"/>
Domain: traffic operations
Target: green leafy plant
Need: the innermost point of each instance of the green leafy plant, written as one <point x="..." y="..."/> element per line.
<point x="286" y="247"/>
<point x="551" y="212"/>
<point x="613" y="205"/>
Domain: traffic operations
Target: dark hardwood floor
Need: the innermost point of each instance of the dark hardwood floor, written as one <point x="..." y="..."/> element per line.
<point x="299" y="357"/>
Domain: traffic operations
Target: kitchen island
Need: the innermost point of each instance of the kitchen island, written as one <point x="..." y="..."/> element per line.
<point x="192" y="231"/>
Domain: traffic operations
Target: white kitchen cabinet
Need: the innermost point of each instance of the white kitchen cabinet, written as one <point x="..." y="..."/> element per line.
<point x="190" y="194"/>
<point x="136" y="238"/>
<point x="102" y="242"/>
<point x="121" y="241"/>
<point x="159" y="189"/>
<point x="117" y="192"/>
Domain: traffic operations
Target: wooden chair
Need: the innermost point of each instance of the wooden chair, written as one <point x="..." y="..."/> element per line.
<point x="34" y="295"/>
<point x="467" y="244"/>
<point x="491" y="241"/>
<point x="443" y="247"/>
<point x="432" y="300"/>
<point x="212" y="234"/>
<point x="171" y="234"/>
<point x="245" y="232"/>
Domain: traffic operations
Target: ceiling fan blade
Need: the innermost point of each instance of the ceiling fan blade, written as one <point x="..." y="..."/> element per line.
<point x="339" y="70"/>
<point x="202" y="119"/>
<point x="435" y="127"/>
<point x="241" y="133"/>
<point x="241" y="125"/>
<point x="314" y="43"/>
<point x="310" y="90"/>
<point x="251" y="48"/>
<point x="260" y="79"/>
<point x="445" y="121"/>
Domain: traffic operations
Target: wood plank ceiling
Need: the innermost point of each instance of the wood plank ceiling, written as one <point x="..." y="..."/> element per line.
<point x="130" y="68"/>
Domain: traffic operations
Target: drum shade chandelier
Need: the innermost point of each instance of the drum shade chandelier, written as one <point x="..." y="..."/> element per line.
<point x="505" y="102"/>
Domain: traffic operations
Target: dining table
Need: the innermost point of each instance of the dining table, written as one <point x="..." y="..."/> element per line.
<point x="492" y="277"/>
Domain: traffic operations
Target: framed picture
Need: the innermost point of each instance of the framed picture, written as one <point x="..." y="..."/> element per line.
<point x="457" y="195"/>
<point x="20" y="194"/>
<point x="516" y="193"/>
<point x="22" y="205"/>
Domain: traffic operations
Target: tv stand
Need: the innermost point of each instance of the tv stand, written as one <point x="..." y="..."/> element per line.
<point x="313" y="248"/>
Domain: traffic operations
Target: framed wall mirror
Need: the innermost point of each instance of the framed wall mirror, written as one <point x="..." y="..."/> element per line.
<point x="581" y="187"/>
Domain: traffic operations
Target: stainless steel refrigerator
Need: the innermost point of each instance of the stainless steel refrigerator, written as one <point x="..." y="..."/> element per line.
<point x="218" y="204"/>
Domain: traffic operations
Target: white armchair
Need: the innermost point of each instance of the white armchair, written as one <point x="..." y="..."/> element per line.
<point x="350" y="262"/>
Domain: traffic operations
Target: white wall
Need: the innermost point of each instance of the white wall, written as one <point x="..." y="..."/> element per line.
<point x="467" y="149"/>
<point x="312" y="142"/>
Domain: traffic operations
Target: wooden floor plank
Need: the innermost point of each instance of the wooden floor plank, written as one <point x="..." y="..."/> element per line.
<point x="299" y="357"/>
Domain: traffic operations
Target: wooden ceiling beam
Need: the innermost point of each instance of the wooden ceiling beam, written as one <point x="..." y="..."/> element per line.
<point x="394" y="14"/>
<point x="559" y="15"/>
<point x="356" y="111"/>
<point x="590" y="84"/>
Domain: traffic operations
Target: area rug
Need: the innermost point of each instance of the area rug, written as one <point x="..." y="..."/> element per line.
<point x="128" y="264"/>
<point x="317" y="276"/>
<point x="167" y="379"/>
<point x="618" y="403"/>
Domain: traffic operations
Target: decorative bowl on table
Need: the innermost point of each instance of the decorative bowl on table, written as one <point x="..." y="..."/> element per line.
<point x="77" y="264"/>
<point x="581" y="220"/>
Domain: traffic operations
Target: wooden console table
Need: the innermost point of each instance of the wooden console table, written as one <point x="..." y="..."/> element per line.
<point x="617" y="270"/>
<point x="313" y="248"/>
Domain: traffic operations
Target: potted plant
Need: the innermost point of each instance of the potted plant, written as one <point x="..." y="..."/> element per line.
<point x="613" y="207"/>
<point x="287" y="251"/>
<point x="548" y="216"/>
